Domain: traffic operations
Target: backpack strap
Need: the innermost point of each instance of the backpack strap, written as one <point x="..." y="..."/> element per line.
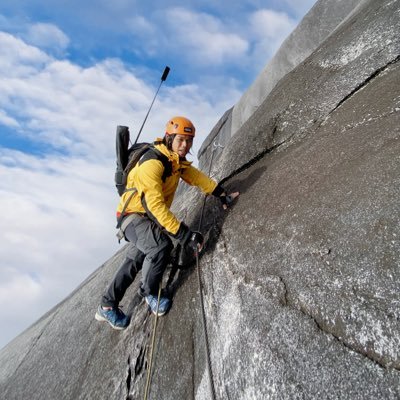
<point x="122" y="215"/>
<point x="151" y="153"/>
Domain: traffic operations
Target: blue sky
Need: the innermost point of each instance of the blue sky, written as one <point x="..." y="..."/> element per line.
<point x="71" y="71"/>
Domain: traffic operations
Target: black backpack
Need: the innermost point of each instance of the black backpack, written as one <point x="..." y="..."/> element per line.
<point x="128" y="157"/>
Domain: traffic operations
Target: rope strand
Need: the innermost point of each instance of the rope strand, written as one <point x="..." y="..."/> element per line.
<point x="203" y="313"/>
<point x="146" y="391"/>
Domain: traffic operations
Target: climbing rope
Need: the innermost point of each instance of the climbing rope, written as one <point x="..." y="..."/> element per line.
<point x="203" y="313"/>
<point x="153" y="340"/>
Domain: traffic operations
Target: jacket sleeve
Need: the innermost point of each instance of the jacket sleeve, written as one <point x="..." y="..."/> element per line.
<point x="149" y="185"/>
<point x="195" y="177"/>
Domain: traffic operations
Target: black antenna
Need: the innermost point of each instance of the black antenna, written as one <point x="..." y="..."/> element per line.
<point x="163" y="78"/>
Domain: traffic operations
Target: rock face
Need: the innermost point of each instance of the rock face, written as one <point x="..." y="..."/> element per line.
<point x="316" y="26"/>
<point x="300" y="278"/>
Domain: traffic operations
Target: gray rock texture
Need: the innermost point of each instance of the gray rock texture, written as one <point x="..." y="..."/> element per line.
<point x="323" y="19"/>
<point x="300" y="277"/>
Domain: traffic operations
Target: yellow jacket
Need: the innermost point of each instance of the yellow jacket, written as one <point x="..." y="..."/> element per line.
<point x="154" y="196"/>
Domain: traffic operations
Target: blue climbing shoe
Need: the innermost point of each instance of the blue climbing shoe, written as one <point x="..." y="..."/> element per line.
<point x="115" y="317"/>
<point x="163" y="307"/>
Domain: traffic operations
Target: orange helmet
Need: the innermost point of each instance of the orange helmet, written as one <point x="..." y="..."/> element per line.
<point x="180" y="126"/>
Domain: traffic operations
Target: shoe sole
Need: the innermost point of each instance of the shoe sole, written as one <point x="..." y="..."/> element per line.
<point x="159" y="314"/>
<point x="100" y="318"/>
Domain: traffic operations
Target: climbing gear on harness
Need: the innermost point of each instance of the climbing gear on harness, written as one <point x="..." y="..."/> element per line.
<point x="125" y="222"/>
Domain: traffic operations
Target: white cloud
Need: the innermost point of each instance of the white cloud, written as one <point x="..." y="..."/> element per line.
<point x="268" y="29"/>
<point x="140" y="25"/>
<point x="199" y="39"/>
<point x="58" y="215"/>
<point x="47" y="36"/>
<point x="18" y="58"/>
<point x="58" y="219"/>
<point x="204" y="37"/>
<point x="29" y="291"/>
<point x="189" y="37"/>
<point x="63" y="104"/>
<point x="77" y="109"/>
<point x="299" y="7"/>
<point x="8" y="121"/>
<point x="14" y="282"/>
<point x="271" y="25"/>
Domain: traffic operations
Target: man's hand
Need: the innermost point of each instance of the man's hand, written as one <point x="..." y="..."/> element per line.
<point x="190" y="239"/>
<point x="195" y="242"/>
<point x="227" y="200"/>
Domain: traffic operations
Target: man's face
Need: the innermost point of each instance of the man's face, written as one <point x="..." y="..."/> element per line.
<point x="182" y="144"/>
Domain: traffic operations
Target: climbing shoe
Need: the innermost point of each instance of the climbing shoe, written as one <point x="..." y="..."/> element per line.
<point x="163" y="307"/>
<point x="115" y="317"/>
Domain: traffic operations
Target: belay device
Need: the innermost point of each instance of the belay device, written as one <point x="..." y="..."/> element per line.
<point x="123" y="151"/>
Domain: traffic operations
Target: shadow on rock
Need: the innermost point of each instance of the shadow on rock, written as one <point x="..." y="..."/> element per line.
<point x="211" y="221"/>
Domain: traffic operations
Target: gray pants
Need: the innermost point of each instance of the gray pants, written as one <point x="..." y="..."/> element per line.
<point x="149" y="251"/>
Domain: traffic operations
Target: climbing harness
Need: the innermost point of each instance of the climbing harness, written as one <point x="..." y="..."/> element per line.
<point x="153" y="340"/>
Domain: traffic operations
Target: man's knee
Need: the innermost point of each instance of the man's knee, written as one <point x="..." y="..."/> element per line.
<point x="135" y="254"/>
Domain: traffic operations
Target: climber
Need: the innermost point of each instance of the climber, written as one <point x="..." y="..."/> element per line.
<point x="152" y="224"/>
